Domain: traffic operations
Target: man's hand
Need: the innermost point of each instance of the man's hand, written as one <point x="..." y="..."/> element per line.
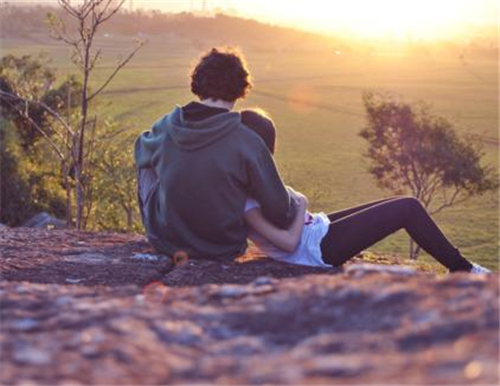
<point x="302" y="200"/>
<point x="298" y="197"/>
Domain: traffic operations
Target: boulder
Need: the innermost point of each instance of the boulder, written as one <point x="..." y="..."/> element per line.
<point x="44" y="220"/>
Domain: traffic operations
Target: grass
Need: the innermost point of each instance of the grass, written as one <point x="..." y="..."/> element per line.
<point x="422" y="264"/>
<point x="319" y="151"/>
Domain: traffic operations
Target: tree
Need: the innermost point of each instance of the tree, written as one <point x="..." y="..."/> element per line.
<point x="32" y="78"/>
<point x="32" y="179"/>
<point x="27" y="94"/>
<point x="29" y="182"/>
<point x="413" y="151"/>
<point x="72" y="139"/>
<point x="114" y="186"/>
<point x="89" y="17"/>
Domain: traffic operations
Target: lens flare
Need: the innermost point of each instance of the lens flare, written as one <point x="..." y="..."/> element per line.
<point x="180" y="258"/>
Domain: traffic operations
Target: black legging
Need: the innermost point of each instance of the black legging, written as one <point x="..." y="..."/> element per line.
<point x="355" y="229"/>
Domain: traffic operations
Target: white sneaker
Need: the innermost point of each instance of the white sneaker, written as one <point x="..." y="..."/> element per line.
<point x="476" y="268"/>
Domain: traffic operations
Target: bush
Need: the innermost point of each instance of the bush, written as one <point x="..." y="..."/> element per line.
<point x="27" y="186"/>
<point x="413" y="151"/>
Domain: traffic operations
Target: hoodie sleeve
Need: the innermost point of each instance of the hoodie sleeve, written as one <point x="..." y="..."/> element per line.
<point x="266" y="186"/>
<point x="146" y="145"/>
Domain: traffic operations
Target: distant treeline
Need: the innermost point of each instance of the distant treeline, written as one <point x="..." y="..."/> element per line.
<point x="26" y="21"/>
<point x="198" y="30"/>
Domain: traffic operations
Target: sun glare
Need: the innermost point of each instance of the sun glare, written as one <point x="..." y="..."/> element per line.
<point x="418" y="19"/>
<point x="381" y="18"/>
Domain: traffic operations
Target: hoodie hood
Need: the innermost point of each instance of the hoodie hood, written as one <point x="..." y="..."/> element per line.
<point x="193" y="135"/>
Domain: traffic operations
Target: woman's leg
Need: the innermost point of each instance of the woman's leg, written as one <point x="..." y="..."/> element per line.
<point x="333" y="216"/>
<point x="351" y="234"/>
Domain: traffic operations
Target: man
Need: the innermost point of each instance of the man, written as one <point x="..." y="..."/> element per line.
<point x="198" y="164"/>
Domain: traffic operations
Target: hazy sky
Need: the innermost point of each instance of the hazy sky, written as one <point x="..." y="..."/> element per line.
<point x="375" y="18"/>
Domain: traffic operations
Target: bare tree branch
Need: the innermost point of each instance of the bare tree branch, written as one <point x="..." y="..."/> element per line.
<point x="112" y="135"/>
<point x="56" y="149"/>
<point x="116" y="70"/>
<point x="7" y="95"/>
<point x="435" y="182"/>
<point x="451" y="201"/>
<point x="113" y="12"/>
<point x="416" y="177"/>
<point x="89" y="15"/>
<point x="408" y="180"/>
<point x="95" y="58"/>
<point x="66" y="5"/>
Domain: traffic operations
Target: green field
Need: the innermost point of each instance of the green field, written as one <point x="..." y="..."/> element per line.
<point x="319" y="151"/>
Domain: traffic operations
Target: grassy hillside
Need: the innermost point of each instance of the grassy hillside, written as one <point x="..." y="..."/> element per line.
<point x="315" y="100"/>
<point x="191" y="29"/>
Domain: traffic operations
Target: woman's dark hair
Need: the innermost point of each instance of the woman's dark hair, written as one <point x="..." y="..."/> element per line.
<point x="259" y="122"/>
<point x="221" y="74"/>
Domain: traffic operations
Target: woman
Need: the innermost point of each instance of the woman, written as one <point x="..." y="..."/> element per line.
<point x="331" y="239"/>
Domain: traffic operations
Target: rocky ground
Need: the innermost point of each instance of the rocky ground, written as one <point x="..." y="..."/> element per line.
<point x="102" y="308"/>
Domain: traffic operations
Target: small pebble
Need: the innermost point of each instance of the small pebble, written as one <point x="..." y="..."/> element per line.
<point x="25" y="324"/>
<point x="473" y="370"/>
<point x="22" y="289"/>
<point x="263" y="280"/>
<point x="87" y="258"/>
<point x="145" y="256"/>
<point x="73" y="281"/>
<point x="230" y="291"/>
<point x="32" y="356"/>
<point x="61" y="300"/>
<point x="90" y="351"/>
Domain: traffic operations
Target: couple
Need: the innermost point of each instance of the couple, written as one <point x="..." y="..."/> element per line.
<point x="207" y="180"/>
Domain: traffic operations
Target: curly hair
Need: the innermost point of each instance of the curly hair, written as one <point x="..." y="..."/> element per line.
<point x="221" y="74"/>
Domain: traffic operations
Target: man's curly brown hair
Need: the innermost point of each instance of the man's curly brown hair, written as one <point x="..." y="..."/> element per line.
<point x="221" y="74"/>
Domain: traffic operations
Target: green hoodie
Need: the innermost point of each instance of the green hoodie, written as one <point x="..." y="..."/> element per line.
<point x="206" y="171"/>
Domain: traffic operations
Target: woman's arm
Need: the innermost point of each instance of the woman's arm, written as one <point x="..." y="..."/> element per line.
<point x="285" y="239"/>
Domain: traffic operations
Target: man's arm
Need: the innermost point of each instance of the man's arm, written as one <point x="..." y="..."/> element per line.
<point x="148" y="143"/>
<point x="285" y="239"/>
<point x="266" y="186"/>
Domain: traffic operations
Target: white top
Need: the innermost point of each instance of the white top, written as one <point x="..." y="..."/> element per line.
<point x="308" y="252"/>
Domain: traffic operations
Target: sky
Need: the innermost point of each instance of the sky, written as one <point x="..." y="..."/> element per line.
<point x="425" y="19"/>
<point x="418" y="19"/>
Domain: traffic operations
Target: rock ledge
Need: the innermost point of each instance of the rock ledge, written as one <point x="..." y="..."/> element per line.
<point x="103" y="308"/>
